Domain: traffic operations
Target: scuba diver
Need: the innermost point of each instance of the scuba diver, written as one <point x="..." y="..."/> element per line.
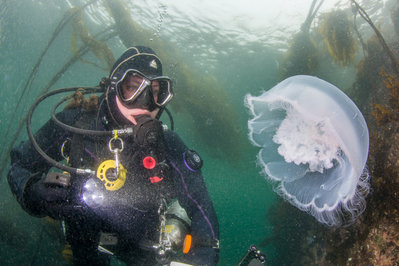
<point x="131" y="189"/>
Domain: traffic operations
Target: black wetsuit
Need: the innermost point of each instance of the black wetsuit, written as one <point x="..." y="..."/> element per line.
<point x="132" y="215"/>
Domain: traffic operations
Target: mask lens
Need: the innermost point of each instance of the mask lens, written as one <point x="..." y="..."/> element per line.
<point x="162" y="91"/>
<point x="131" y="86"/>
<point x="134" y="84"/>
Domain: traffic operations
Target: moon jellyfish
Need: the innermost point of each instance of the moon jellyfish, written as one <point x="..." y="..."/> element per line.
<point x="314" y="145"/>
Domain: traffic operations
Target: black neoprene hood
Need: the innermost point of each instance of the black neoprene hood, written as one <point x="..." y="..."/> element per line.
<point x="140" y="58"/>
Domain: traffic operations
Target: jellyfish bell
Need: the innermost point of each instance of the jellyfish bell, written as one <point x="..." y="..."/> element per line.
<point x="314" y="145"/>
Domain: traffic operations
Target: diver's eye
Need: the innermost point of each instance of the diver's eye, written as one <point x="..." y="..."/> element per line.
<point x="131" y="84"/>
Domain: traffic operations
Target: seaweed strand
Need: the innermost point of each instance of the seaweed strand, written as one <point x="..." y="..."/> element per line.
<point x="59" y="74"/>
<point x="64" y="21"/>
<point x="365" y="16"/>
<point x="311" y="14"/>
<point x="67" y="17"/>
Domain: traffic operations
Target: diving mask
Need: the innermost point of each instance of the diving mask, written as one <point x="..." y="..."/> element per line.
<point x="137" y="89"/>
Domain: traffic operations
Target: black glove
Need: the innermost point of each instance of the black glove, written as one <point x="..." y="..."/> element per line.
<point x="47" y="199"/>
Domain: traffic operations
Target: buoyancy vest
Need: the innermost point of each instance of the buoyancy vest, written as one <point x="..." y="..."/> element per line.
<point x="130" y="209"/>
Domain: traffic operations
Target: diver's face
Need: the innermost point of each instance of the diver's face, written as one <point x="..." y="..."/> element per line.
<point x="131" y="84"/>
<point x="129" y="87"/>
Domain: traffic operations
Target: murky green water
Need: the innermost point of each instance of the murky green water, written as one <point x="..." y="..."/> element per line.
<point x="240" y="51"/>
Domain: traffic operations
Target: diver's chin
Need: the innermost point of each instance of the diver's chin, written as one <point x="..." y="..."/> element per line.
<point x="131" y="113"/>
<point x="138" y="114"/>
<point x="140" y="118"/>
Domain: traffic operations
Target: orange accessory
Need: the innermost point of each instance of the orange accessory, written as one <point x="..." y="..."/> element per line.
<point x="155" y="179"/>
<point x="187" y="244"/>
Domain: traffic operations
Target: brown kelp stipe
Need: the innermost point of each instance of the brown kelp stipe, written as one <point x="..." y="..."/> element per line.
<point x="381" y="39"/>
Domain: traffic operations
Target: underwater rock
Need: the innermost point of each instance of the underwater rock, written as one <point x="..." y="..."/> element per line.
<point x="381" y="246"/>
<point x="378" y="243"/>
<point x="393" y="152"/>
<point x="314" y="146"/>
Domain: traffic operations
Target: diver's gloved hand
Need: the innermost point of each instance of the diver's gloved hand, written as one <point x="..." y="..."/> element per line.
<point x="48" y="192"/>
<point x="47" y="199"/>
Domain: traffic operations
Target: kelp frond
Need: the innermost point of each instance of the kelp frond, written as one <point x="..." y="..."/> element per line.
<point x="98" y="48"/>
<point x="337" y="32"/>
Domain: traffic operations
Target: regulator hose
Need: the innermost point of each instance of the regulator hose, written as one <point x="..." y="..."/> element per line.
<point x="69" y="128"/>
<point x="53" y="162"/>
